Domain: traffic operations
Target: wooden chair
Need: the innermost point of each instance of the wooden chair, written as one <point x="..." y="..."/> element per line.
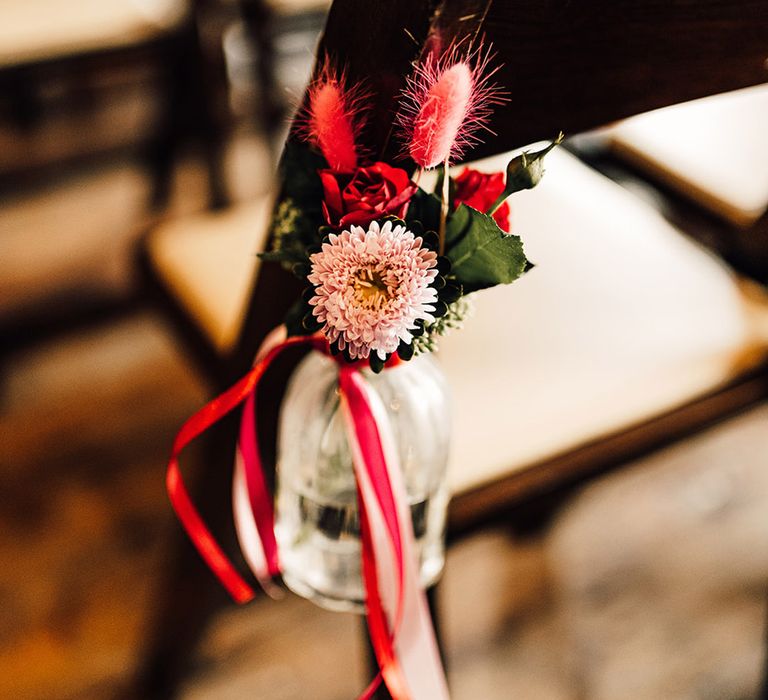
<point x="55" y="40"/>
<point x="627" y="335"/>
<point x="265" y="21"/>
<point x="712" y="153"/>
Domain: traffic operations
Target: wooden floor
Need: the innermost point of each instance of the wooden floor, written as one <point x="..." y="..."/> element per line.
<point x="650" y="585"/>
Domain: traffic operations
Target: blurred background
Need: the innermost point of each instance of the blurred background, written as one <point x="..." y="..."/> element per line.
<point x="121" y="119"/>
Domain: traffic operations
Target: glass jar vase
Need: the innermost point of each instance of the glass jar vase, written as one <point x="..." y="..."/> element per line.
<point x="317" y="524"/>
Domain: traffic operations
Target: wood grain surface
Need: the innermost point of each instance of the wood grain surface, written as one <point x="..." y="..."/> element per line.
<point x="573" y="66"/>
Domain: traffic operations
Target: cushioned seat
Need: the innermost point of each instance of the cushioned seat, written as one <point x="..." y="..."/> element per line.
<point x="622" y="319"/>
<point x="71" y="238"/>
<point x="209" y="262"/>
<point x="715" y="150"/>
<point x="47" y="29"/>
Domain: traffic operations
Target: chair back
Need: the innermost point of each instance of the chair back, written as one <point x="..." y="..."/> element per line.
<point x="569" y="66"/>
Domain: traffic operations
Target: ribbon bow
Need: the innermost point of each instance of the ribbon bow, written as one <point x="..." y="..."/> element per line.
<point x="398" y="618"/>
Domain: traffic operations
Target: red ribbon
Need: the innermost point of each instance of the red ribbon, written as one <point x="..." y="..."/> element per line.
<point x="386" y="529"/>
<point x="198" y="532"/>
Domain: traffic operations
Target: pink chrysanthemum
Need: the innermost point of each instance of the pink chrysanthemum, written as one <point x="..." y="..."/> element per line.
<point x="445" y="102"/>
<point x="371" y="287"/>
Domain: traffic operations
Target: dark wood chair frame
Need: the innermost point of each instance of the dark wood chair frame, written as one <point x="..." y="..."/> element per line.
<point x="567" y="66"/>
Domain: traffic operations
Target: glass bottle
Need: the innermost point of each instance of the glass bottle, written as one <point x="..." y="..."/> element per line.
<point x="317" y="525"/>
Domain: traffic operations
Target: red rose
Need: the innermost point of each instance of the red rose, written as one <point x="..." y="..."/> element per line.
<point x="359" y="197"/>
<point x="479" y="191"/>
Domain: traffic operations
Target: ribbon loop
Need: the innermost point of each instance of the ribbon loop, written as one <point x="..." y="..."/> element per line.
<point x="398" y="617"/>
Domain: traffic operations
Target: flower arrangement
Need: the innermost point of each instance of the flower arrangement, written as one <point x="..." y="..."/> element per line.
<point x="388" y="265"/>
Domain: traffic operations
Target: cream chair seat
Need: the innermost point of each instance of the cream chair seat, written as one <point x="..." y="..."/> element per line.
<point x="40" y="30"/>
<point x="209" y="262"/>
<point x="714" y="150"/>
<point x="622" y="319"/>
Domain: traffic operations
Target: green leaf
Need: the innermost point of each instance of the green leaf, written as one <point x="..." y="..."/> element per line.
<point x="302" y="188"/>
<point x="298" y="212"/>
<point x="481" y="253"/>
<point x="459" y="222"/>
<point x="437" y="190"/>
<point x="298" y="175"/>
<point x="425" y="208"/>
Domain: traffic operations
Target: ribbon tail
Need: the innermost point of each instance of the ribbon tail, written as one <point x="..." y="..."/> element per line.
<point x="405" y="644"/>
<point x="376" y="560"/>
<point x="198" y="532"/>
<point x="260" y="511"/>
<point x="247" y="531"/>
<point x="251" y="500"/>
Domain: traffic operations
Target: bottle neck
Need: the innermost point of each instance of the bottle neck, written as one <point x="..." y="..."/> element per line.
<point x="320" y="344"/>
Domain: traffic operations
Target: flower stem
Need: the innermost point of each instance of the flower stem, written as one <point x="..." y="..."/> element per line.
<point x="444" y="206"/>
<point x="499" y="201"/>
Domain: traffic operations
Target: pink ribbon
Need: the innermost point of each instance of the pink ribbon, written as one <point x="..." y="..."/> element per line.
<point x="398" y="617"/>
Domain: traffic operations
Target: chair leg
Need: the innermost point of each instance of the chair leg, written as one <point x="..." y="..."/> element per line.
<point x="168" y="132"/>
<point x="531" y="519"/>
<point x="204" y="81"/>
<point x="186" y="603"/>
<point x="188" y="594"/>
<point x="258" y="19"/>
<point x="26" y="105"/>
<point x="188" y="114"/>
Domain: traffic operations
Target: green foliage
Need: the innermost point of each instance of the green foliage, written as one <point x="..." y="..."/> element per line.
<point x="298" y="213"/>
<point x="481" y="254"/>
<point x="457" y="312"/>
<point x="288" y="235"/>
<point x="298" y="174"/>
<point x="424" y="207"/>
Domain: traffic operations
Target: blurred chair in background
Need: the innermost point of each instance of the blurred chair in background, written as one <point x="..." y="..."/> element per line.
<point x="708" y="159"/>
<point x="714" y="152"/>
<point x="208" y="302"/>
<point x="111" y="117"/>
<point x="97" y="102"/>
<point x="626" y="337"/>
<point x="73" y="50"/>
<point x="277" y="29"/>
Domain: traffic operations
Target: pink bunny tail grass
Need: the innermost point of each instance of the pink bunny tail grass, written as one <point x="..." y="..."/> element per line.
<point x="436" y="127"/>
<point x="331" y="128"/>
<point x="446" y="101"/>
<point x="332" y="118"/>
